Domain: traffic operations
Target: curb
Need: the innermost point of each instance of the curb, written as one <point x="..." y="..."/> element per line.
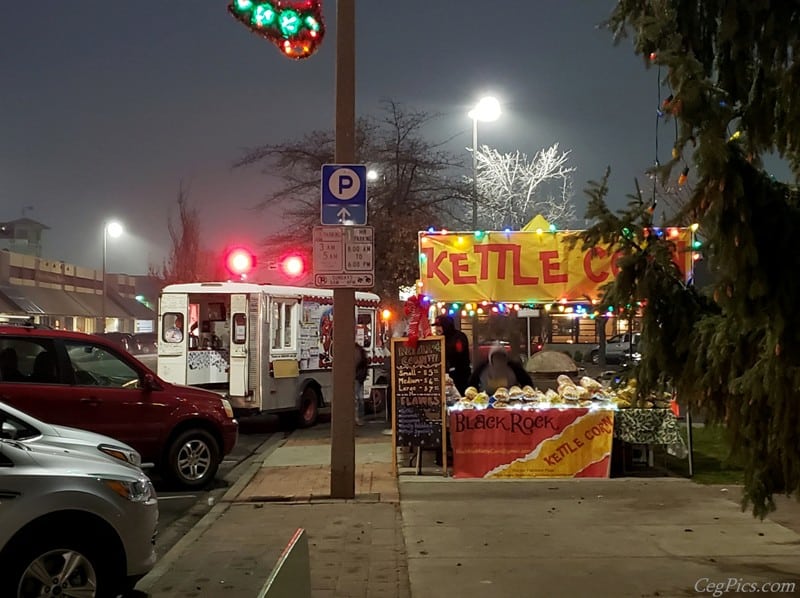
<point x="252" y="464"/>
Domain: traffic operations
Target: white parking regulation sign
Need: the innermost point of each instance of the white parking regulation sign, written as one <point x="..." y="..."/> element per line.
<point x="344" y="257"/>
<point x="343" y="199"/>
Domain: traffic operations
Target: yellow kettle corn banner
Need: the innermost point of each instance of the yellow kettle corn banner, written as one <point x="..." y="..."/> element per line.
<point x="522" y="267"/>
<point x="551" y="443"/>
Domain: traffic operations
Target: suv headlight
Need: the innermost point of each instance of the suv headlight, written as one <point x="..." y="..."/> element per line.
<point x="123" y="454"/>
<point x="140" y="491"/>
<point x="226" y="405"/>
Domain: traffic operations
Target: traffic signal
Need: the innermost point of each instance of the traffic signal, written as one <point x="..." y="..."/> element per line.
<point x="293" y="266"/>
<point x="240" y="262"/>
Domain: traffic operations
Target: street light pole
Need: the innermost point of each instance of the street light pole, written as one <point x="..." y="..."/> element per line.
<point x="474" y="173"/>
<point x="105" y="244"/>
<point x="114" y="229"/>
<point x="487" y="109"/>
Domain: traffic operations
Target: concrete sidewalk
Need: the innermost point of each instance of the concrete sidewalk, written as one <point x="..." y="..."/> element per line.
<point x="439" y="537"/>
<point x="620" y="537"/>
<point x="356" y="547"/>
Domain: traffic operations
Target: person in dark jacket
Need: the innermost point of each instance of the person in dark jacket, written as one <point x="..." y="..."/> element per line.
<point x="362" y="369"/>
<point x="456" y="352"/>
<point x="499" y="371"/>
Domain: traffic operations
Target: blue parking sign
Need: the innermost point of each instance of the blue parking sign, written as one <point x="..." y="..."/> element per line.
<point x="344" y="194"/>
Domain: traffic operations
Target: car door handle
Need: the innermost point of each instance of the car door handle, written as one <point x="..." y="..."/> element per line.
<point x="90" y="401"/>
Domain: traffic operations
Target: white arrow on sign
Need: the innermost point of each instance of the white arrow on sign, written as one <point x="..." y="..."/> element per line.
<point x="343" y="214"/>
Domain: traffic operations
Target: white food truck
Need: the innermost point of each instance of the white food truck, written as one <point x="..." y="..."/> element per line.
<point x="267" y="348"/>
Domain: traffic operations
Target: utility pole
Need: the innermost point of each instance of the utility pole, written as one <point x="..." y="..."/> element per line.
<point x="343" y="449"/>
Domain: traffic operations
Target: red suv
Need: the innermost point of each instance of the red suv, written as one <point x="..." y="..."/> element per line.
<point x="86" y="381"/>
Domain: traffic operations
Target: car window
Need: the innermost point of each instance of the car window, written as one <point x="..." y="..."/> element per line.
<point x="615" y="339"/>
<point x="12" y="428"/>
<point x="28" y="360"/>
<point x="94" y="365"/>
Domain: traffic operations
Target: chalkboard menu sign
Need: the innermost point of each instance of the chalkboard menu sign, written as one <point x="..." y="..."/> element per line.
<point x="418" y="392"/>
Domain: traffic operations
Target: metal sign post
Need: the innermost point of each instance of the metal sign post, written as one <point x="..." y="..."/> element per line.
<point x="343" y="446"/>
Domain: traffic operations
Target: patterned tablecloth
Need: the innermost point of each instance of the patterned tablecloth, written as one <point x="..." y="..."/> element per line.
<point x="647" y="426"/>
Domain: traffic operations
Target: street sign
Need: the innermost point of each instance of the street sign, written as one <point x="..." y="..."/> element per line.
<point x="344" y="257"/>
<point x="344" y="194"/>
<point x="344" y="281"/>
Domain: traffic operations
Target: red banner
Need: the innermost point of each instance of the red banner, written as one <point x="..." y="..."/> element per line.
<point x="508" y="443"/>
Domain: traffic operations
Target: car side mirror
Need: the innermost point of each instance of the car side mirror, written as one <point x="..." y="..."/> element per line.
<point x="149" y="383"/>
<point x="9" y="431"/>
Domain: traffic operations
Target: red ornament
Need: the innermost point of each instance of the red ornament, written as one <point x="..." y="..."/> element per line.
<point x="416" y="308"/>
<point x="295" y="27"/>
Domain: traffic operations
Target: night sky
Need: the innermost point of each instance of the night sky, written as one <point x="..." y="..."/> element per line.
<point x="106" y="106"/>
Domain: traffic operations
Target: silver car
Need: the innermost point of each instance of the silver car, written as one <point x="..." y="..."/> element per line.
<point x="73" y="522"/>
<point x="17" y="425"/>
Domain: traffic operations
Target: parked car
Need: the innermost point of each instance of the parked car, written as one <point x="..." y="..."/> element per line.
<point x="619" y="349"/>
<point x="72" y="523"/>
<point x="123" y="340"/>
<point x="144" y="342"/>
<point x="16" y="425"/>
<point x="88" y="382"/>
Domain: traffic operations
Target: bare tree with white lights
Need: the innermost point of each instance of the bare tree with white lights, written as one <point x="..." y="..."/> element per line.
<point x="513" y="189"/>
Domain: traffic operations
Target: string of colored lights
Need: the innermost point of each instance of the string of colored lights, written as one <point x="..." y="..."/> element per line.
<point x="565" y="308"/>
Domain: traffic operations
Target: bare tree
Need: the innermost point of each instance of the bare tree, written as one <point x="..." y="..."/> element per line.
<point x="513" y="189"/>
<point x="413" y="189"/>
<point x="187" y="261"/>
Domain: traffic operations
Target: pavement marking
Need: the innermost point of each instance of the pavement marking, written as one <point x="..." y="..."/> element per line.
<point x="175" y="496"/>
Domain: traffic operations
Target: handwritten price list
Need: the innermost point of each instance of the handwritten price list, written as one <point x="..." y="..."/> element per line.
<point x="418" y="392"/>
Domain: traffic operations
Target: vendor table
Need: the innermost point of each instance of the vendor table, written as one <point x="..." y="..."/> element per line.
<point x="516" y="443"/>
<point x="647" y="426"/>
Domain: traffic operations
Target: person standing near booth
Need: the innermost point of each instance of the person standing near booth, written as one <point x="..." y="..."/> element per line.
<point x="362" y="369"/>
<point x="456" y="352"/>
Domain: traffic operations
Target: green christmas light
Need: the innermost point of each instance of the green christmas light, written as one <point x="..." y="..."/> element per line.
<point x="263" y="15"/>
<point x="289" y="22"/>
<point x="244" y="5"/>
<point x="552" y="228"/>
<point x="696" y="244"/>
<point x="626" y="232"/>
<point x="312" y="24"/>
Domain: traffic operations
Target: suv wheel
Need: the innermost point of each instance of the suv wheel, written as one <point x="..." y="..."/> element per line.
<point x="41" y="566"/>
<point x="595" y="357"/>
<point x="193" y="459"/>
<point x="309" y="408"/>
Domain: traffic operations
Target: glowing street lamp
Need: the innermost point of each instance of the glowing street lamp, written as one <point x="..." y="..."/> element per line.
<point x="486" y="110"/>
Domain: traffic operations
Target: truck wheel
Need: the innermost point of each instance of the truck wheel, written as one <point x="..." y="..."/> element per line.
<point x="193" y="459"/>
<point x="309" y="408"/>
